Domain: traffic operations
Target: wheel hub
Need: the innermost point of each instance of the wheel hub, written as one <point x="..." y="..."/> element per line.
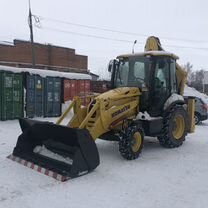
<point x="178" y="127"/>
<point x="136" y="141"/>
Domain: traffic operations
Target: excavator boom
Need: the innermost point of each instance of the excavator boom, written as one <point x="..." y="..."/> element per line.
<point x="153" y="44"/>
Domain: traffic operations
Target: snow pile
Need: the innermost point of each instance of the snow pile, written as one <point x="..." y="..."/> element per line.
<point x="45" y="73"/>
<point x="189" y="91"/>
<point x="42" y="150"/>
<point x="146" y="116"/>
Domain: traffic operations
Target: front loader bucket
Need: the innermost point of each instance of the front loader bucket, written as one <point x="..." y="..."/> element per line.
<point x="67" y="151"/>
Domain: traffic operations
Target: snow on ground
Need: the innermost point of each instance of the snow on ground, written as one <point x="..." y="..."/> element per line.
<point x="159" y="178"/>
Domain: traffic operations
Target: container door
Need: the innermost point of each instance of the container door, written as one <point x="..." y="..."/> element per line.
<point x="48" y="109"/>
<point x="7" y="96"/>
<point x="30" y="96"/>
<point x="34" y="96"/>
<point x="73" y="89"/>
<point x="87" y="87"/>
<point x="52" y="97"/>
<point x="1" y="91"/>
<point x="81" y="87"/>
<point x="18" y="95"/>
<point x="11" y="97"/>
<point x="87" y="91"/>
<point x="67" y="87"/>
<point x="57" y="97"/>
<point x="39" y="96"/>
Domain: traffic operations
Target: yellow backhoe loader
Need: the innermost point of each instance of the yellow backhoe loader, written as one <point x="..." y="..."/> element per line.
<point x="146" y="99"/>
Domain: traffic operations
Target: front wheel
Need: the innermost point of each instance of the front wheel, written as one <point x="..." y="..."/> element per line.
<point x="131" y="143"/>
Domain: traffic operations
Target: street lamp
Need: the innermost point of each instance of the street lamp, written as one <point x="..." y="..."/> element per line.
<point x="134" y="45"/>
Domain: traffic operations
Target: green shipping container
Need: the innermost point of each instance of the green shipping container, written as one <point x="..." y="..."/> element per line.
<point x="0" y="95"/>
<point x="11" y="97"/>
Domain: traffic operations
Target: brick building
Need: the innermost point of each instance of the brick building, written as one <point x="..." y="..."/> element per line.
<point x="46" y="57"/>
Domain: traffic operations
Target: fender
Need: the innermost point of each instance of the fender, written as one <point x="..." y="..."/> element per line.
<point x="177" y="102"/>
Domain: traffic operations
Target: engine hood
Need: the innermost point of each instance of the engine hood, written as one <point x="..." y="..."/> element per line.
<point x="120" y="93"/>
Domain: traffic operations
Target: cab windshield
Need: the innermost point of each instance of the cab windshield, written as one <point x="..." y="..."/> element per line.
<point x="133" y="72"/>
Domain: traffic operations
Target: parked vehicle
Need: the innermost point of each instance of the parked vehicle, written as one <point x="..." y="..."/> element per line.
<point x="201" y="110"/>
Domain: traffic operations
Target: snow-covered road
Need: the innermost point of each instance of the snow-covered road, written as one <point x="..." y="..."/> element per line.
<point x="159" y="178"/>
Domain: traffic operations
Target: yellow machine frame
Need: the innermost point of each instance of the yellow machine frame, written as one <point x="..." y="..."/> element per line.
<point x="103" y="117"/>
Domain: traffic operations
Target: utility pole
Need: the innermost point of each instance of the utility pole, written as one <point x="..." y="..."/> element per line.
<point x="31" y="36"/>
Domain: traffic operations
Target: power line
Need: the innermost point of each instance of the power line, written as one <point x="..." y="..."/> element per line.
<point x="84" y="35"/>
<point x="113" y="39"/>
<point x="116" y="31"/>
<point x="185" y="47"/>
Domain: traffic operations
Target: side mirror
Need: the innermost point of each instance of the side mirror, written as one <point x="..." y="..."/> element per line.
<point x="110" y="65"/>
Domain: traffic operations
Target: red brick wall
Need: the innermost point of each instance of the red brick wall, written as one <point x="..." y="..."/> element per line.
<point x="44" y="55"/>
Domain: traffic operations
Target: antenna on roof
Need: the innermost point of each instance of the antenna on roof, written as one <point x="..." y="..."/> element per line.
<point x="31" y="35"/>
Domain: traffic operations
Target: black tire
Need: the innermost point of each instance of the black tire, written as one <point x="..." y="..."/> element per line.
<point x="131" y="143"/>
<point x="197" y="118"/>
<point x="175" y="126"/>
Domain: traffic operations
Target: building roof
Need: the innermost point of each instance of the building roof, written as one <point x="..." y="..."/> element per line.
<point x="20" y="41"/>
<point x="90" y="73"/>
<point x="45" y="73"/>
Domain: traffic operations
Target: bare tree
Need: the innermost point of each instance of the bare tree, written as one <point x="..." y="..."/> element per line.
<point x="198" y="82"/>
<point x="194" y="78"/>
<point x="189" y="69"/>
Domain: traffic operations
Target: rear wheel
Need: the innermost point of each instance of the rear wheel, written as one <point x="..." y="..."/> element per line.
<point x="131" y="143"/>
<point x="174" y="127"/>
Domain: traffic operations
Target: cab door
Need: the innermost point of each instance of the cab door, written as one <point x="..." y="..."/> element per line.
<point x="161" y="85"/>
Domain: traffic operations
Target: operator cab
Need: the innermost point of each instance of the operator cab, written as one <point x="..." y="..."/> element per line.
<point x="153" y="72"/>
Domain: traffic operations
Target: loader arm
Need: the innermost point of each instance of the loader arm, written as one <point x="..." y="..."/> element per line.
<point x="153" y="44"/>
<point x="106" y="112"/>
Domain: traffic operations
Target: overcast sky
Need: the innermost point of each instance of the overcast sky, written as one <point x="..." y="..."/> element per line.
<point x="178" y="23"/>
